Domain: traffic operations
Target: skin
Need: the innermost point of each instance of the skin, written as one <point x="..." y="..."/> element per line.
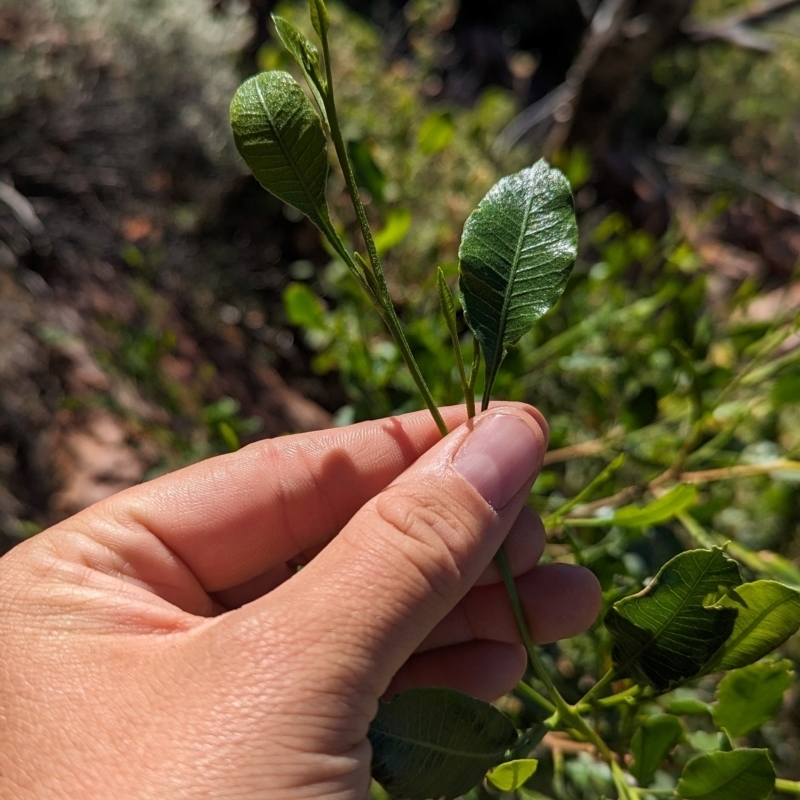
<point x="162" y="643"/>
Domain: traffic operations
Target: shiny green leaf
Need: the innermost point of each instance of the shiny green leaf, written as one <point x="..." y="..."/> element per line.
<point x="655" y="736"/>
<point x="431" y="743"/>
<point x="667" y="633"/>
<point x="736" y="775"/>
<point x="510" y="776"/>
<point x="280" y="136"/>
<point x="748" y="697"/>
<point x="768" y="614"/>
<point x="516" y="254"/>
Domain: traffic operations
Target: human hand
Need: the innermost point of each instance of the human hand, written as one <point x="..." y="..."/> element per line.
<point x="162" y="644"/>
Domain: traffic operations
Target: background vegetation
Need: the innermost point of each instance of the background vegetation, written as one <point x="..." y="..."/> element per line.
<point x="157" y="307"/>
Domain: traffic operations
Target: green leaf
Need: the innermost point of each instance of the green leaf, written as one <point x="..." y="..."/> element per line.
<point x="280" y="136"/>
<point x="306" y="56"/>
<point x="737" y="775"/>
<point x="660" y="510"/>
<point x="667" y="632"/>
<point x="510" y="776"/>
<point x="429" y="743"/>
<point x="319" y="17"/>
<point x="303" y="307"/>
<point x="769" y="613"/>
<point x="748" y="697"/>
<point x="654" y="738"/>
<point x="398" y="222"/>
<point x="516" y="253"/>
<point x="368" y="174"/>
<point x="687" y="707"/>
<point x="436" y="133"/>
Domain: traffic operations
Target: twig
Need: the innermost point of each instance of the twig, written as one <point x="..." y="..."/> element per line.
<point x="591" y="448"/>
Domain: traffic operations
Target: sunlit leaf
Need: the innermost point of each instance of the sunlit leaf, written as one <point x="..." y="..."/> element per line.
<point x="319" y="17"/>
<point x="431" y="743"/>
<point x="303" y="307"/>
<point x="510" y="776"/>
<point x="737" y="775"/>
<point x="280" y="136"/>
<point x="667" y="632"/>
<point x="436" y="132"/>
<point x="660" y="510"/>
<point x="516" y="254"/>
<point x="395" y="228"/>
<point x="305" y="54"/>
<point x="748" y="697"/>
<point x="655" y="736"/>
<point x="768" y="614"/>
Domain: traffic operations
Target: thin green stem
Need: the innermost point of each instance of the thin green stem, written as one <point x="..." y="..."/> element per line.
<point x="530" y="693"/>
<point x="787" y="787"/>
<point x="556" y="518"/>
<point x="473" y="377"/>
<point x="598" y="687"/>
<point x="388" y="314"/>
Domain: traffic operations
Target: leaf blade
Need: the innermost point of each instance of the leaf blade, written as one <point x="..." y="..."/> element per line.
<point x="281" y="139"/>
<point x="511" y="775"/>
<point x="436" y="742"/>
<point x="737" y="775"/>
<point x="517" y="250"/>
<point x="651" y="743"/>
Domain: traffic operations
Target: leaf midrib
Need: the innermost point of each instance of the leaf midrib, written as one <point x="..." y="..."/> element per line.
<point x="669" y="620"/>
<point x="287" y="152"/>
<point x="507" y="297"/>
<point x="439" y="748"/>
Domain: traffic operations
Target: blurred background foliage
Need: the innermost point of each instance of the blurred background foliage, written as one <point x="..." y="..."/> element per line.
<point x="157" y="307"/>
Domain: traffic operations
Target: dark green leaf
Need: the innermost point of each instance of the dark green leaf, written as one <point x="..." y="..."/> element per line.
<point x="319" y="17"/>
<point x="666" y="633"/>
<point x="280" y="137"/>
<point x="516" y="253"/>
<point x="429" y="743"/>
<point x="769" y="613"/>
<point x="748" y="697"/>
<point x="368" y="174"/>
<point x="306" y="56"/>
<point x="652" y="741"/>
<point x="737" y="775"/>
<point x="510" y="776"/>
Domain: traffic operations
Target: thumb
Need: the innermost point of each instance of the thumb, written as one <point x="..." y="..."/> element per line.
<point x="410" y="554"/>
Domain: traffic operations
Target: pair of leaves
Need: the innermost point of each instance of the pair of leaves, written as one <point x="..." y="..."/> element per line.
<point x="430" y="743"/>
<point x="695" y="617"/>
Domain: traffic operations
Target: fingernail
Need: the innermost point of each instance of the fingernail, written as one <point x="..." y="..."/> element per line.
<point x="499" y="457"/>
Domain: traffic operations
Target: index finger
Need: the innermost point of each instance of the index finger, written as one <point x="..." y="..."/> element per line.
<point x="232" y="518"/>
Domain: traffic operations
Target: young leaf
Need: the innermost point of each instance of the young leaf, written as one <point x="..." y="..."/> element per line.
<point x="660" y="510"/>
<point x="748" y="697"/>
<point x="516" y="253"/>
<point x="737" y="775"/>
<point x="280" y="136"/>
<point x="303" y="307"/>
<point x="769" y="613"/>
<point x="306" y="56"/>
<point x="436" y="743"/>
<point x="651" y="743"/>
<point x="667" y="632"/>
<point x="319" y="17"/>
<point x="510" y="776"/>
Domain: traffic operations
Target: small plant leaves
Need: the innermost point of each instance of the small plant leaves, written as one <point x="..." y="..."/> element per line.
<point x="431" y="743"/>
<point x="280" y="136"/>
<point x="436" y="132"/>
<point x="516" y="254"/>
<point x="768" y="614"/>
<point x="737" y="775"/>
<point x="510" y="776"/>
<point x="651" y="743"/>
<point x="666" y="633"/>
<point x="306" y="56"/>
<point x="748" y="697"/>
<point x="319" y="17"/>
<point x="303" y="308"/>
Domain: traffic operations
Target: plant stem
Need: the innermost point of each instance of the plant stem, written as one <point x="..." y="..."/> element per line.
<point x="556" y="518"/>
<point x="384" y="300"/>
<point x="599" y="686"/>
<point x="787" y="787"/>
<point x="531" y="694"/>
<point x="473" y="377"/>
